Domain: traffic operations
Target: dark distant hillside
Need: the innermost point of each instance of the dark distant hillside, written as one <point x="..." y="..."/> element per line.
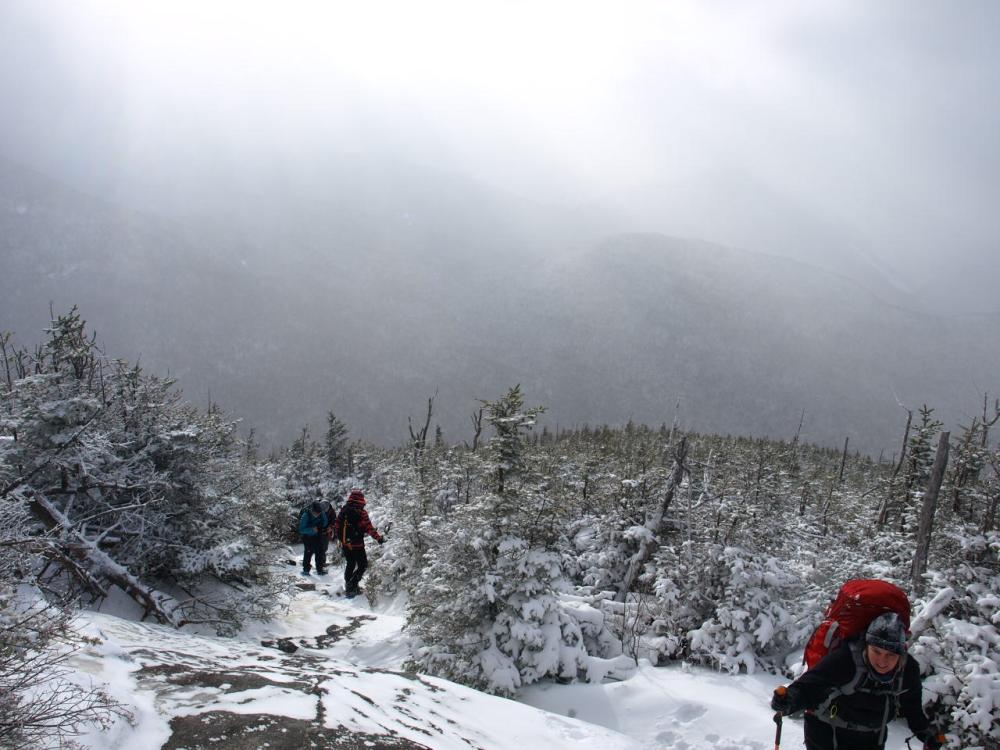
<point x="746" y="341"/>
<point x="371" y="306"/>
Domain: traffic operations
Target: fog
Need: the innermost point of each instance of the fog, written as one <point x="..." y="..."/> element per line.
<point x="856" y="137"/>
<point x="872" y="123"/>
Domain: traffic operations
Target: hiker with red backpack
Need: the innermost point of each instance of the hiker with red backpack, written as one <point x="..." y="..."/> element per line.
<point x="350" y="528"/>
<point x="858" y="677"/>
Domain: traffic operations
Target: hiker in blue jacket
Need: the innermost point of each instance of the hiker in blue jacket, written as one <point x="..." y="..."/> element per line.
<point x="312" y="524"/>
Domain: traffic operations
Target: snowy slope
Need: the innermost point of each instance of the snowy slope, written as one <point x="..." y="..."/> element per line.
<point x="683" y="708"/>
<point x="340" y="687"/>
<point x="328" y="674"/>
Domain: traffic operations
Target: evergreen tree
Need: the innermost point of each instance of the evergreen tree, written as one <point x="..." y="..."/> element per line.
<point x="971" y="456"/>
<point x="920" y="453"/>
<point x="128" y="485"/>
<point x="337" y="459"/>
<point x="485" y="607"/>
<point x="510" y="421"/>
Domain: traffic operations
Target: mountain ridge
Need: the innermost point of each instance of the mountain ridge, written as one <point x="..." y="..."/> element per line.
<point x="600" y="331"/>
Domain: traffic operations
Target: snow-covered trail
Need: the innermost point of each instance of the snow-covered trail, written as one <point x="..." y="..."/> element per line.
<point x="325" y="675"/>
<point x="329" y="674"/>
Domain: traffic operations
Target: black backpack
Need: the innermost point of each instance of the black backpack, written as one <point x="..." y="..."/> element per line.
<point x="350" y="525"/>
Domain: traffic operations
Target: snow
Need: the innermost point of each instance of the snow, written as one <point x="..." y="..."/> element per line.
<point x="687" y="708"/>
<point x="931" y="610"/>
<point x="348" y="671"/>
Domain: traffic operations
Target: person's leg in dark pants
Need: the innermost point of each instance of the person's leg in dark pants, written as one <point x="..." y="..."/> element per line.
<point x="362" y="566"/>
<point x="321" y="546"/>
<point x="349" y="566"/>
<point x="308" y="550"/>
<point x="357" y="563"/>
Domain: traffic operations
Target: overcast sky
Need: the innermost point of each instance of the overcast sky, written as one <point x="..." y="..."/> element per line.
<point x="876" y="119"/>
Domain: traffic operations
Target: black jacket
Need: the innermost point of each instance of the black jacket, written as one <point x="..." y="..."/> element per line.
<point x="848" y="706"/>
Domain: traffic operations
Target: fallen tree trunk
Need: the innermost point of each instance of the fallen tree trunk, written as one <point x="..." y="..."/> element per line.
<point x="47" y="548"/>
<point x="89" y="563"/>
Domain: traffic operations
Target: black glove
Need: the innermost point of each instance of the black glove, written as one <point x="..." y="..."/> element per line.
<point x="781" y="701"/>
<point x="381" y="541"/>
<point x="932" y="741"/>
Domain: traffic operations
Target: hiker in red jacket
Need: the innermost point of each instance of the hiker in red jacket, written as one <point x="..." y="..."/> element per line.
<point x="351" y="526"/>
<point x="853" y="693"/>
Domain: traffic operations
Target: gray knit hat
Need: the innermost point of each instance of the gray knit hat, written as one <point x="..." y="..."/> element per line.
<point x="887" y="632"/>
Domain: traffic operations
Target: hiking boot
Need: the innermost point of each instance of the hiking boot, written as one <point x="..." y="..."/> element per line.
<point x="305" y="572"/>
<point x="321" y="571"/>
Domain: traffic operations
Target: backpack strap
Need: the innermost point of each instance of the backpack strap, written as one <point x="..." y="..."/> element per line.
<point x="827" y="710"/>
<point x="830" y="634"/>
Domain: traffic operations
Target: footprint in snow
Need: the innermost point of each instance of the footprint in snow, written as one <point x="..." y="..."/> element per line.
<point x="688" y="712"/>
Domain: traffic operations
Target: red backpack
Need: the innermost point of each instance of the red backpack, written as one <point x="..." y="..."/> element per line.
<point x="858" y="603"/>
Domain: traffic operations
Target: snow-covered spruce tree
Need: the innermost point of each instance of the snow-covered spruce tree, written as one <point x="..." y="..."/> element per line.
<point x="129" y="486"/>
<point x="336" y="447"/>
<point x="920" y="458"/>
<point x="991" y="491"/>
<point x="971" y="458"/>
<point x="218" y="533"/>
<point x="484" y="610"/>
<point x="305" y="467"/>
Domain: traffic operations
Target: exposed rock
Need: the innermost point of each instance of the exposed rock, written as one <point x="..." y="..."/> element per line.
<point x="221" y="730"/>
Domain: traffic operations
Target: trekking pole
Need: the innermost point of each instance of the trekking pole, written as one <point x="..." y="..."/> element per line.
<point x="782" y="690"/>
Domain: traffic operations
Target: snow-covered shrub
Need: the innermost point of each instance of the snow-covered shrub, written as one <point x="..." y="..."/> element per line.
<point x="601" y="549"/>
<point x="729" y="602"/>
<point x="403" y="502"/>
<point x="39" y="707"/>
<point x="596" y="623"/>
<point x="957" y="643"/>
